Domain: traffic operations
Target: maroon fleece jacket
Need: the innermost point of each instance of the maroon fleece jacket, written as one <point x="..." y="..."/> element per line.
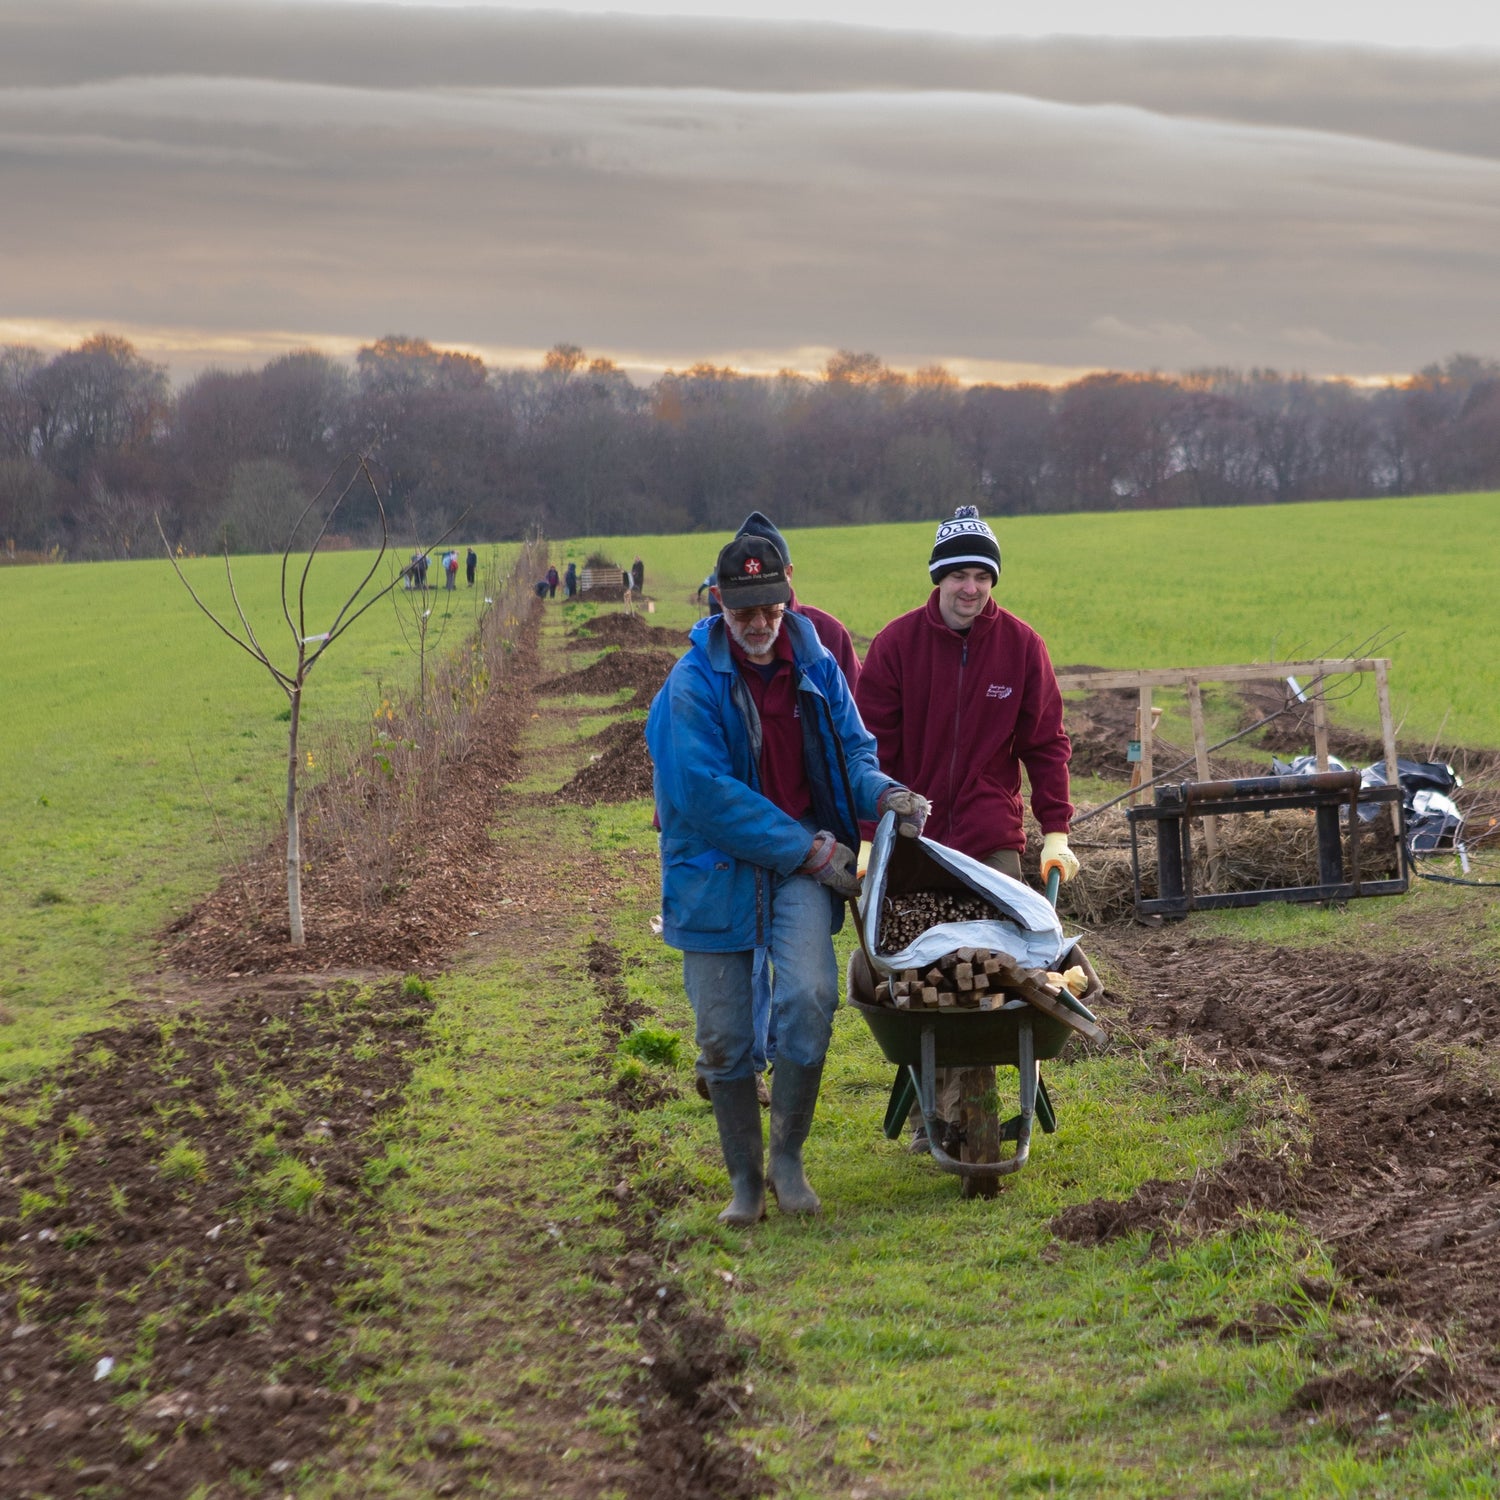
<point x="834" y="635"/>
<point x="957" y="716"/>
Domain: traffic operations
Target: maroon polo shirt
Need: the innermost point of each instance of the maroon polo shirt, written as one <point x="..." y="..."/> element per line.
<point x="773" y="689"/>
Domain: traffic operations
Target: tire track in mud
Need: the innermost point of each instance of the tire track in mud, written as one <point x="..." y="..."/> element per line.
<point x="1401" y="1179"/>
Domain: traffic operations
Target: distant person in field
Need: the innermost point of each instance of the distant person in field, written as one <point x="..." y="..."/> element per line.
<point x="450" y="571"/>
<point x="960" y="695"/>
<point x="552" y="581"/>
<point x="638" y="575"/>
<point x="471" y="565"/>
<point x="422" y="562"/>
<point x="762" y="773"/>
<point x="840" y="646"/>
<point x="570" y="581"/>
<point x="709" y="587"/>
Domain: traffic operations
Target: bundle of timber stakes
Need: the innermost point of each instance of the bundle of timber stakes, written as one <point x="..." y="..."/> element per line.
<point x="975" y="979"/>
<point x="904" y="918"/>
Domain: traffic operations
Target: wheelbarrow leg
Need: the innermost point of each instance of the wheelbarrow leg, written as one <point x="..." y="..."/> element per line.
<point x="914" y="1086"/>
<point x="979" y="1121"/>
<point x="1026" y="1067"/>
<point x="898" y="1107"/>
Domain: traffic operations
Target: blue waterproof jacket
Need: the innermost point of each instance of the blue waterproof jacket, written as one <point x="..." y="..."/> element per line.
<point x="722" y="841"/>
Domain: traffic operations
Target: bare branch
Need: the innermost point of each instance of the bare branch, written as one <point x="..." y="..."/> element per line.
<point x="385" y="536"/>
<point x="374" y="598"/>
<point x="218" y="624"/>
<point x="317" y="541"/>
<point x="286" y="551"/>
<point x="260" y="651"/>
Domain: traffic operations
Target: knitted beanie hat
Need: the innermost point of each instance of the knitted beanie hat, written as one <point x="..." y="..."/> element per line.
<point x="756" y="524"/>
<point x="964" y="542"/>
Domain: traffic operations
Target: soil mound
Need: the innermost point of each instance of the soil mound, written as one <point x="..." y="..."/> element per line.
<point x="619" y="769"/>
<point x="642" y="670"/>
<point x="625" y="630"/>
<point x="1402" y="1173"/>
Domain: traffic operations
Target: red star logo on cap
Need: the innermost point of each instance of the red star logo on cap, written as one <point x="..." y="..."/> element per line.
<point x="752" y="565"/>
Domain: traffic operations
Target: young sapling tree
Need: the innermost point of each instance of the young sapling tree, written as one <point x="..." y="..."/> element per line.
<point x="308" y="646"/>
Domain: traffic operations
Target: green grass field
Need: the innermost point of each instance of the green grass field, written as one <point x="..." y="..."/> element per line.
<point x="115" y="685"/>
<point x="1197" y="588"/>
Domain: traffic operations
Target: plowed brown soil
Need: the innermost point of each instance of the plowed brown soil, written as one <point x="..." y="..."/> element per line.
<point x="1402" y="1176"/>
<point x="225" y="1323"/>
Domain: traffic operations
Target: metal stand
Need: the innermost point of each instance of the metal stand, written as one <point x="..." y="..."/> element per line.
<point x="1328" y="793"/>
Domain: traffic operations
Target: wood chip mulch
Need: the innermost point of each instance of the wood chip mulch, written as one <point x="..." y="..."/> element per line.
<point x="448" y="887"/>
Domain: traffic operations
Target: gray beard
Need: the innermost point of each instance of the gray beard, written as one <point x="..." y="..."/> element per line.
<point x="737" y="635"/>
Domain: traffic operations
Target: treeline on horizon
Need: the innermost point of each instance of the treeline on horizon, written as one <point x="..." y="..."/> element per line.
<point x="94" y="443"/>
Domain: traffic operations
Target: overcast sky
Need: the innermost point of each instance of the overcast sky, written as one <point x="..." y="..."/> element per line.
<point x="1313" y="187"/>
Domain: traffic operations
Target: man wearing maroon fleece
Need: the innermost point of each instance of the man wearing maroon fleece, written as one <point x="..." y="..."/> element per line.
<point x="960" y="694"/>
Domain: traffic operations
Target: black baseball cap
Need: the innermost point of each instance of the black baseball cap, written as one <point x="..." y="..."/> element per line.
<point x="751" y="572"/>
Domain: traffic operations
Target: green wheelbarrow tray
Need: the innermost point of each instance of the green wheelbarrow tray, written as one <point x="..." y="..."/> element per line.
<point x="919" y="1042"/>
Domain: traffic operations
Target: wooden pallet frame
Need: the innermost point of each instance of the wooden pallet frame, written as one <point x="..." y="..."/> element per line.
<point x="1310" y="676"/>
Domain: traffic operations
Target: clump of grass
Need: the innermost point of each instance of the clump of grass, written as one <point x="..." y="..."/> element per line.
<point x="49" y="896"/>
<point x="630" y="1071"/>
<point x="379" y="1170"/>
<point x="415" y="988"/>
<point x="183" y="1163"/>
<point x="33" y="1202"/>
<point x="653" y="1044"/>
<point x="291" y="1184"/>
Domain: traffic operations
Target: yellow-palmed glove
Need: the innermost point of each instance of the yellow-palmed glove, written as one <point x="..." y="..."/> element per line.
<point x="1055" y="851"/>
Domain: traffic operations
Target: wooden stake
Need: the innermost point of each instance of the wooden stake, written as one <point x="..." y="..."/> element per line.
<point x="1320" y="723"/>
<point x="1388" y="734"/>
<point x="1200" y="758"/>
<point x="1148" y="725"/>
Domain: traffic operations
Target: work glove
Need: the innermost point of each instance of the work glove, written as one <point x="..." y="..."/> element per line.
<point x="1055" y="851"/>
<point x="831" y="863"/>
<point x="911" y="809"/>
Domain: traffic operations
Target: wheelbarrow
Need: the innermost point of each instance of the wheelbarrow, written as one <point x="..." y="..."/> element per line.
<point x="1020" y="1033"/>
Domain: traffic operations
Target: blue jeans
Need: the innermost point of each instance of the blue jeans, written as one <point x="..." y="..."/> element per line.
<point x="804" y="987"/>
<point x="765" y="1031"/>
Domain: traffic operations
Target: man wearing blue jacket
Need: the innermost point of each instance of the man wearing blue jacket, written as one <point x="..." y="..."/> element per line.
<point x="762" y="773"/>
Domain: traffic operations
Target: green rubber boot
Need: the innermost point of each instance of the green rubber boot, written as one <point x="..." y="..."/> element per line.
<point x="794" y="1097"/>
<point x="737" y="1114"/>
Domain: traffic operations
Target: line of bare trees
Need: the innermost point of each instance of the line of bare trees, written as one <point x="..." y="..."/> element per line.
<point x="93" y="441"/>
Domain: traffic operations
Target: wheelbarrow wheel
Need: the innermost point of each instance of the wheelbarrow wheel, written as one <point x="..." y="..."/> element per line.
<point x="979" y="1121"/>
